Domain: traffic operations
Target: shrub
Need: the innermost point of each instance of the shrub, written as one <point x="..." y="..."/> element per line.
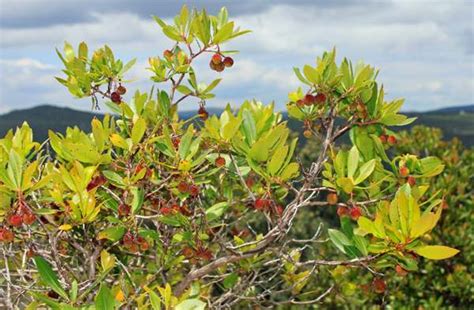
<point x="151" y="211"/>
<point x="435" y="285"/>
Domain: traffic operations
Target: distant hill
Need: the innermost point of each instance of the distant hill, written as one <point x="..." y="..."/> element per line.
<point x="454" y="121"/>
<point x="455" y="110"/>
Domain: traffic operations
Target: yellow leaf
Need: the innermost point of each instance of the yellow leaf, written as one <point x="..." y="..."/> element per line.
<point x="184" y="165"/>
<point x="436" y="252"/>
<point x="107" y="261"/>
<point x="120" y="296"/>
<point x="118" y="141"/>
<point x="422" y="225"/>
<point x="65" y="227"/>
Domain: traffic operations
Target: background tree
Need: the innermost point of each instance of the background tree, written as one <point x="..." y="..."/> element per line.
<point x="151" y="211"/>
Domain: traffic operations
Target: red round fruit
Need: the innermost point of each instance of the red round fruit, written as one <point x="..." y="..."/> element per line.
<point x="220" y="161"/>
<point x="220" y="67"/>
<point x="320" y="98"/>
<point x="216" y="59"/>
<point x="404" y="171"/>
<point x="188" y="252"/>
<point x="123" y="209"/>
<point x="379" y="285"/>
<point x="175" y="208"/>
<point x="228" y="62"/>
<point x="342" y="211"/>
<point x="194" y="190"/>
<point x="383" y="139"/>
<point x="309" y="99"/>
<point x="29" y="218"/>
<point x="183" y="187"/>
<point x="401" y="271"/>
<point x="356" y="212"/>
<point x="212" y="65"/>
<point x="391" y="140"/>
<point x="332" y="198"/>
<point x="128" y="239"/>
<point x="202" y="112"/>
<point x="411" y="181"/>
<point x="6" y="235"/>
<point x="166" y="210"/>
<point x="121" y="90"/>
<point x="300" y="103"/>
<point x="15" y="220"/>
<point x="115" y="97"/>
<point x="261" y="203"/>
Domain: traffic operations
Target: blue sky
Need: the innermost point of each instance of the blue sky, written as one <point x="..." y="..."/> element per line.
<point x="424" y="48"/>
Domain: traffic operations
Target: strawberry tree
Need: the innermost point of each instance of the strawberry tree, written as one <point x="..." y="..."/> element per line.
<point x="151" y="211"/>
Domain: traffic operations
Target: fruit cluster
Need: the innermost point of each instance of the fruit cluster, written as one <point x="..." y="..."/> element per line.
<point x="354" y="212"/>
<point x="310" y="99"/>
<point x="218" y="63"/>
<point x="134" y="243"/>
<point x="21" y="216"/>
<point x="116" y="96"/>
<point x="390" y="139"/>
<point x="265" y="204"/>
<point x="200" y="252"/>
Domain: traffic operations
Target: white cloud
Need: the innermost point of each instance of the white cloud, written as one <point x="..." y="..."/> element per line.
<point x="421" y="48"/>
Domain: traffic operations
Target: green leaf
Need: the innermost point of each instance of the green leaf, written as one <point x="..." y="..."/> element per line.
<point x="311" y="74"/>
<point x="46" y="300"/>
<point x="185" y="143"/>
<point x="138" y="198"/>
<point x="277" y="160"/>
<point x="365" y="171"/>
<point x="14" y="169"/>
<point x="74" y="290"/>
<point x="211" y="86"/>
<point x="119" y="141"/>
<point x="347" y="184"/>
<point x="230" y="280"/>
<point x="300" y="76"/>
<point x="138" y="130"/>
<point x="184" y="90"/>
<point x="112" y="233"/>
<point x="191" y="304"/>
<point x="290" y="171"/>
<point x="155" y="300"/>
<point x="105" y="299"/>
<point x="114" y="178"/>
<point x="339" y="239"/>
<point x="171" y="33"/>
<point x="216" y="211"/>
<point x="436" y="252"/>
<point x="49" y="277"/>
<point x="352" y="161"/>
<point x="83" y="50"/>
<point x="224" y="33"/>
<point x="127" y="66"/>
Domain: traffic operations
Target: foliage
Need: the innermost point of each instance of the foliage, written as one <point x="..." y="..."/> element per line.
<point x="151" y="211"/>
<point x="434" y="285"/>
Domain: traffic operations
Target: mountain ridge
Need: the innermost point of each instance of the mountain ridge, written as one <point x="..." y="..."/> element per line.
<point x="454" y="121"/>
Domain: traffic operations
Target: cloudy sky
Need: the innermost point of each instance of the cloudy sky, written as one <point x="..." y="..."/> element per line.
<point x="424" y="48"/>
